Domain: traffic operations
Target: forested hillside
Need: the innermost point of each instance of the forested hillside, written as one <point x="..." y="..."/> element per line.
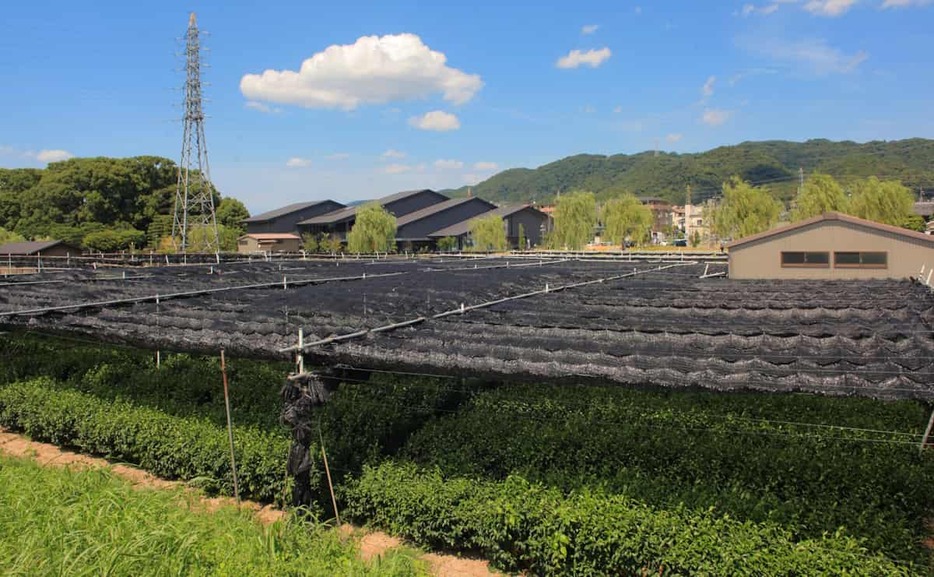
<point x="100" y="203"/>
<point x="667" y="175"/>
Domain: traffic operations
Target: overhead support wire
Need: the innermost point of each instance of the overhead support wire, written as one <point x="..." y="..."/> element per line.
<point x="462" y="309"/>
<point x="285" y="283"/>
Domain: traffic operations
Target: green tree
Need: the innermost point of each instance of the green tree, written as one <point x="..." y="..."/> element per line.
<point x="114" y="240"/>
<point x="373" y="231"/>
<point x="8" y="236"/>
<point x="626" y="217"/>
<point x="695" y="239"/>
<point x="820" y="194"/>
<point x="574" y="218"/>
<point x="522" y="241"/>
<point x="447" y="244"/>
<point x="330" y="244"/>
<point x="309" y="242"/>
<point x="888" y="202"/>
<point x="199" y="239"/>
<point x="230" y="213"/>
<point x="744" y="210"/>
<point x="488" y="233"/>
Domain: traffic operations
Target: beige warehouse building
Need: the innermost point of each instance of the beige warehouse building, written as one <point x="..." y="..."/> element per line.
<point x="269" y="242"/>
<point x="832" y="246"/>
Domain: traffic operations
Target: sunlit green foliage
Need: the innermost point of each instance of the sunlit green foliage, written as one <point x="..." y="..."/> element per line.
<point x="488" y="233"/>
<point x="626" y="218"/>
<point x="373" y="231"/>
<point x="575" y="217"/>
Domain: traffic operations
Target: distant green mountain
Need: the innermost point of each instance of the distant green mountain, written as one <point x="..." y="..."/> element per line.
<point x="773" y="163"/>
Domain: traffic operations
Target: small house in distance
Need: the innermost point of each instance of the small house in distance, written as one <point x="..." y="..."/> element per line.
<point x="832" y="246"/>
<point x="286" y="219"/>
<point x="269" y="242"/>
<point x="534" y="224"/>
<point x="40" y="248"/>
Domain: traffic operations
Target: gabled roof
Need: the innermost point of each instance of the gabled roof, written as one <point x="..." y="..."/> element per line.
<point x="835" y="217"/>
<point x="31" y="247"/>
<point x="272" y="236"/>
<point x="436" y="208"/>
<point x="351" y="211"/>
<point x="464" y="226"/>
<point x="288" y="209"/>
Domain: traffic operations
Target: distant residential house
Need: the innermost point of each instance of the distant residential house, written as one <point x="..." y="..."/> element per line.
<point x="534" y="223"/>
<point x="269" y="242"/>
<point x="285" y="220"/>
<point x="690" y="219"/>
<point x="40" y="248"/>
<point x="415" y="229"/>
<point x="661" y="213"/>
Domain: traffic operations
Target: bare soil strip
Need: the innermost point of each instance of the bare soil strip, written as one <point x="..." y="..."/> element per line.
<point x="372" y="544"/>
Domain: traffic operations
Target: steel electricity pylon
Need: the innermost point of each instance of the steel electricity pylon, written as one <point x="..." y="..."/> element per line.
<point x="194" y="225"/>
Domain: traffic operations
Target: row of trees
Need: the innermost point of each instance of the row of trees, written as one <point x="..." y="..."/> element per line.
<point x="742" y="210"/>
<point x="577" y="216"/>
<point x="104" y="204"/>
<point x="745" y="209"/>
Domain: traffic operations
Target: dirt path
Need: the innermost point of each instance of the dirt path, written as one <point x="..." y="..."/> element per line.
<point x="372" y="544"/>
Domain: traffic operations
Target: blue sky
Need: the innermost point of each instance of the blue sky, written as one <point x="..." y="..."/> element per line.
<point x="396" y="95"/>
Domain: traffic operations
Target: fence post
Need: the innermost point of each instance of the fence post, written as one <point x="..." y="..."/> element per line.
<point x="233" y="461"/>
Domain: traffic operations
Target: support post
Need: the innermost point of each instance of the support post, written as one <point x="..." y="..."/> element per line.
<point x="927" y="433"/>
<point x="300" y="358"/>
<point x="233" y="460"/>
<point x="327" y="471"/>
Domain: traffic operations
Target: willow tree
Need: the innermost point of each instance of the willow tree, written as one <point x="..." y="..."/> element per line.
<point x="744" y="210"/>
<point x="488" y="233"/>
<point x="574" y="219"/>
<point x="374" y="230"/>
<point x="888" y="202"/>
<point x="626" y="217"/>
<point x="820" y="194"/>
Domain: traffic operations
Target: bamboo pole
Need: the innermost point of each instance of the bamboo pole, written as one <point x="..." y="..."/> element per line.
<point x="327" y="471"/>
<point x="927" y="433"/>
<point x="233" y="461"/>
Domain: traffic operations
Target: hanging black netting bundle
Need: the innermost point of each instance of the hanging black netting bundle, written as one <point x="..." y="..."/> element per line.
<point x="300" y="395"/>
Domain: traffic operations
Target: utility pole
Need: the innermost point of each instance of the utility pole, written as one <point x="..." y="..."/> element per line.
<point x="687" y="216"/>
<point x="194" y="198"/>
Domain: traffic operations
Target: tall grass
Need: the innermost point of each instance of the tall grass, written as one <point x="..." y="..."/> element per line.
<point x="87" y="522"/>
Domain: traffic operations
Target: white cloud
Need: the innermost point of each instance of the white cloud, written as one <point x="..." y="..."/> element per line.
<point x="436" y="120"/>
<point x="485" y="166"/>
<point x="589" y="28"/>
<point x="298" y="162"/>
<point x="707" y="89"/>
<point x="905" y="3"/>
<point x="576" y="58"/>
<point x="338" y="156"/>
<point x="637" y="10"/>
<point x="373" y="70"/>
<point x="830" y="8"/>
<point x="396" y="168"/>
<point x="53" y="155"/>
<point x="254" y="105"/>
<point x="443" y="164"/>
<point x="715" y="116"/>
<point x="815" y="54"/>
<point x="750" y="9"/>
<point x="617" y="109"/>
<point x="674" y="138"/>
<point x="393" y="153"/>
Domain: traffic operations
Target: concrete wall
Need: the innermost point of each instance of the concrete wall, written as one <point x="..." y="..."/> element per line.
<point x="762" y="259"/>
<point x="288" y="223"/>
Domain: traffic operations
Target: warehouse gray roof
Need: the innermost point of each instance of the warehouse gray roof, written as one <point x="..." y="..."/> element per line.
<point x="436" y="208"/>
<point x="351" y="211"/>
<point x="288" y="209"/>
<point x="464" y="226"/>
<point x="29" y="247"/>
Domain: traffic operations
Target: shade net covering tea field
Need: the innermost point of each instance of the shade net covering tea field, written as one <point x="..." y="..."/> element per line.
<point x="645" y="324"/>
